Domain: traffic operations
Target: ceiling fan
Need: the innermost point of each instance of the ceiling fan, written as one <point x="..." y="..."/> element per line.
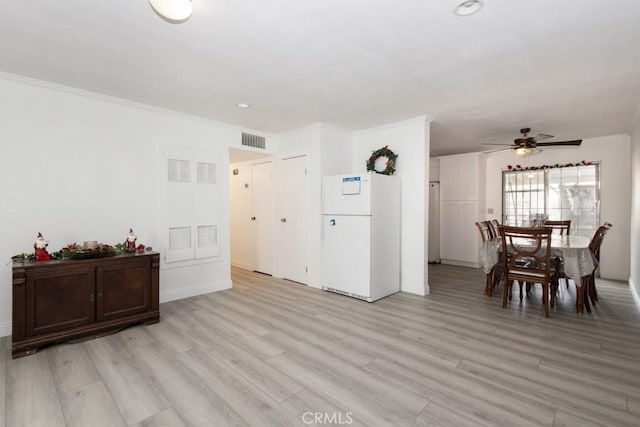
<point x="529" y="144"/>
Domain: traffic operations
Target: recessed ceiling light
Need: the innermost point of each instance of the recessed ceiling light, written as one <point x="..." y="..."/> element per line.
<point x="467" y="7"/>
<point x="174" y="11"/>
<point x="243" y="105"/>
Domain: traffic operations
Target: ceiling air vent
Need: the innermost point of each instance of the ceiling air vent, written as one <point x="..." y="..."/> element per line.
<point x="255" y="141"/>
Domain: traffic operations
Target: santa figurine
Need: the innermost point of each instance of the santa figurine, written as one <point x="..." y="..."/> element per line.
<point x="41" y="248"/>
<point x="131" y="241"/>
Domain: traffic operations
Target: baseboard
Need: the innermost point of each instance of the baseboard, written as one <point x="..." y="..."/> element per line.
<point x="634" y="292"/>
<point x="192" y="291"/>
<point x="412" y="292"/>
<point x="5" y="329"/>
<point x="460" y="263"/>
<point x="242" y="265"/>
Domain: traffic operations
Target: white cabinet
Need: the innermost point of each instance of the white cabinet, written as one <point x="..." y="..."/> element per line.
<point x="449" y="220"/>
<point x="468" y="237"/>
<point x="459" y="177"/>
<point x="462" y="180"/>
<point x="459" y="240"/>
<point x="469" y="178"/>
<point x="449" y="178"/>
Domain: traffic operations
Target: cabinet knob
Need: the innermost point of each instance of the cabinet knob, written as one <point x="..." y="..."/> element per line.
<point x="283" y="219"/>
<point x="253" y="218"/>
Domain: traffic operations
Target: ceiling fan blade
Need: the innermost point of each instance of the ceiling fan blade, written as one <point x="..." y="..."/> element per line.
<point x="542" y="137"/>
<point x="575" y="142"/>
<point x="497" y="149"/>
<point x="489" y="143"/>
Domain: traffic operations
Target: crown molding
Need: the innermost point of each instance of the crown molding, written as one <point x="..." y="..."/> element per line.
<point x="416" y="120"/>
<point x="123" y="102"/>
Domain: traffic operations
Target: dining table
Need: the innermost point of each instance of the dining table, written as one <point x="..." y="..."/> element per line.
<point x="578" y="261"/>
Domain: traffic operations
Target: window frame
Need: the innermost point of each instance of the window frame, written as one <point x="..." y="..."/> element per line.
<point x="546" y="186"/>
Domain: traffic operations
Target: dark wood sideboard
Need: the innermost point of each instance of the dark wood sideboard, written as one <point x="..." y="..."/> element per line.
<point x="63" y="300"/>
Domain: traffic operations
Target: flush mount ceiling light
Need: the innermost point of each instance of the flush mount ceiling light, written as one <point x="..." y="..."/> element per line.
<point x="467" y="7"/>
<point x="243" y="105"/>
<point x="174" y="11"/>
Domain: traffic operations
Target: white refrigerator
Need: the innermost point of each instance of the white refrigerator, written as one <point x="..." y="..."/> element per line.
<point x="361" y="235"/>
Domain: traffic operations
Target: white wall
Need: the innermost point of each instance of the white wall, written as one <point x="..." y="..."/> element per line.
<point x="634" y="277"/>
<point x="615" y="191"/>
<point x="78" y="166"/>
<point x="337" y="151"/>
<point x="410" y="140"/>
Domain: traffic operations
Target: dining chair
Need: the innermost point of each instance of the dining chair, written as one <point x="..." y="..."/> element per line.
<point x="486" y="234"/>
<point x="495" y="224"/>
<point x="563" y="227"/>
<point x="529" y="260"/>
<point x="594" y="247"/>
<point x="485" y="230"/>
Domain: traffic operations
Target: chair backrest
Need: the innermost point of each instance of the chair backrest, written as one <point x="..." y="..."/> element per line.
<point x="598" y="237"/>
<point x="564" y="227"/>
<point x="529" y="250"/>
<point x="496" y="227"/>
<point x="485" y="231"/>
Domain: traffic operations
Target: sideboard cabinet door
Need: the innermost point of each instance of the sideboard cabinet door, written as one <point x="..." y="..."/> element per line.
<point x="47" y="291"/>
<point x="123" y="289"/>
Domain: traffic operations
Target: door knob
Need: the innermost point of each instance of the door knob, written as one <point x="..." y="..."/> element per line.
<point x="253" y="218"/>
<point x="283" y="219"/>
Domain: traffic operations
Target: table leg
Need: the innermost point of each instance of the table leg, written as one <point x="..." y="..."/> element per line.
<point x="580" y="296"/>
<point x="488" y="287"/>
<point x="585" y="293"/>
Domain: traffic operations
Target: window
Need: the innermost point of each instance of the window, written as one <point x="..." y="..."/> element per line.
<point x="567" y="193"/>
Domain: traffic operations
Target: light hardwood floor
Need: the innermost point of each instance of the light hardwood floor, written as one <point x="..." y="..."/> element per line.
<point x="269" y="351"/>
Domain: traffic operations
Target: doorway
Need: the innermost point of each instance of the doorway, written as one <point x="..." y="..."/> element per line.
<point x="241" y="198"/>
<point x="269" y="200"/>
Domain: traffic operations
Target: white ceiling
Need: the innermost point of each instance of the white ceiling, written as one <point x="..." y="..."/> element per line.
<point x="564" y="67"/>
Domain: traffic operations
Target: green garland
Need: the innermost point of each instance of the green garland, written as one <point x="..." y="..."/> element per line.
<point x="557" y="165"/>
<point x="76" y="251"/>
<point x="391" y="161"/>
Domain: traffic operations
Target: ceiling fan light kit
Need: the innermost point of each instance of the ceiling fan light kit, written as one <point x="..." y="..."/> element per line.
<point x="467" y="7"/>
<point x="174" y="11"/>
<point x="527" y="151"/>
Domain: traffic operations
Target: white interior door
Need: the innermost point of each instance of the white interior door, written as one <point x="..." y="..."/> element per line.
<point x="262" y="217"/>
<point x="292" y="224"/>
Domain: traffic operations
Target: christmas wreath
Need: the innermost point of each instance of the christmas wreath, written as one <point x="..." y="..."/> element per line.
<point x="390" y="166"/>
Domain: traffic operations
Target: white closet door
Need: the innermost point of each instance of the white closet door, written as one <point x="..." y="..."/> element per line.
<point x="292" y="223"/>
<point x="206" y="210"/>
<point x="179" y="170"/>
<point x="262" y="217"/>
